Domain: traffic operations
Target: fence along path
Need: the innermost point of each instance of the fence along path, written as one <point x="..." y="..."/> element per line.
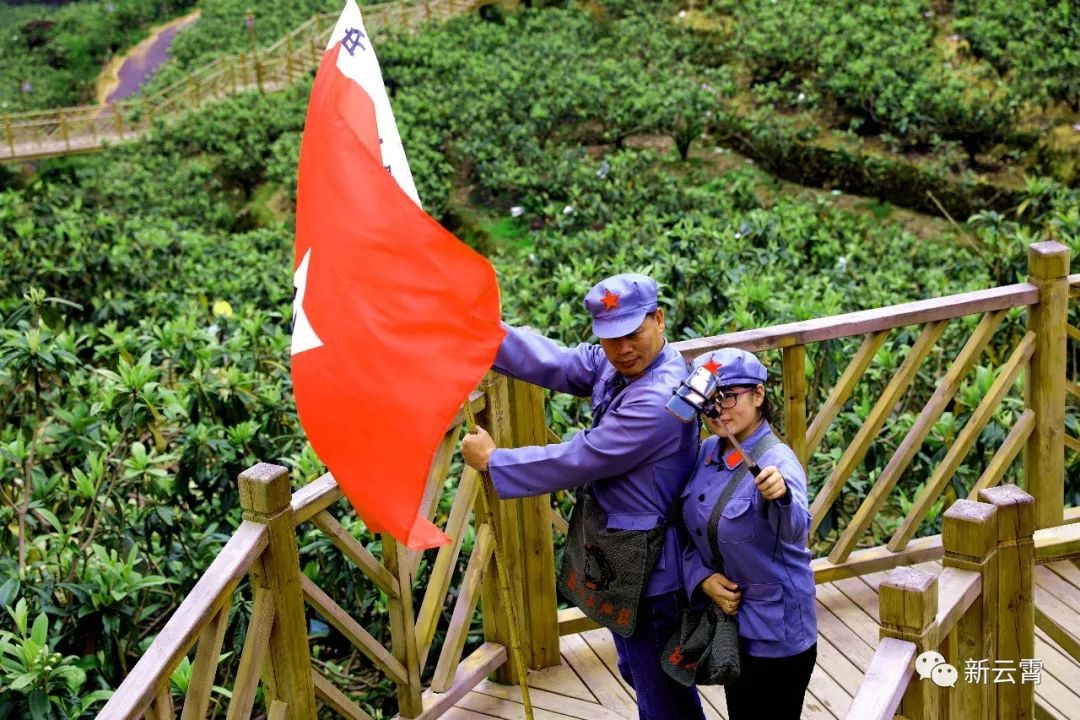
<point x="1006" y="585"/>
<point x="89" y="128"/>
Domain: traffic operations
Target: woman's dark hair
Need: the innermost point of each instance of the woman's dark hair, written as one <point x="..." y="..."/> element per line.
<point x="767" y="409"/>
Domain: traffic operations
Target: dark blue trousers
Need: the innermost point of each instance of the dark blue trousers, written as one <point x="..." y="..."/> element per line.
<point x="771" y="688"/>
<point x="658" y="696"/>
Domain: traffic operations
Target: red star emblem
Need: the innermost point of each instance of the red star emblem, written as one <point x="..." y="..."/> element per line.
<point x="712" y="366"/>
<point x="610" y="300"/>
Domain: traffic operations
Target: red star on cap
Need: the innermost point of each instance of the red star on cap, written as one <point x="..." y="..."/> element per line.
<point x="610" y="300"/>
<point x="712" y="366"/>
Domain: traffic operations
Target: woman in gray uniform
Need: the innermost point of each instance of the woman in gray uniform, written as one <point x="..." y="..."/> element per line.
<point x="750" y="558"/>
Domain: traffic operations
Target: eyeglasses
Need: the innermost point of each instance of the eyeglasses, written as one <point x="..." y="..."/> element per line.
<point x="727" y="399"/>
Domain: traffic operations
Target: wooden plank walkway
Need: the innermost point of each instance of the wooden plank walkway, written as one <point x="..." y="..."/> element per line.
<point x="588" y="686"/>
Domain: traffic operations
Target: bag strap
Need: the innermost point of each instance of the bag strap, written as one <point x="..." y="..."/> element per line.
<point x="614" y="387"/>
<point x="763" y="446"/>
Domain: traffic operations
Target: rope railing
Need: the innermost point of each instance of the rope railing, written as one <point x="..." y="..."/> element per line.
<point x="36" y="134"/>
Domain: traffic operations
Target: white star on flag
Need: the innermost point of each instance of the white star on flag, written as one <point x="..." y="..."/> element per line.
<point x="303" y="336"/>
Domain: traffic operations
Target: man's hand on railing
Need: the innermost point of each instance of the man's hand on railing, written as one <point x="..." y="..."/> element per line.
<point x="723" y="592"/>
<point x="476" y="448"/>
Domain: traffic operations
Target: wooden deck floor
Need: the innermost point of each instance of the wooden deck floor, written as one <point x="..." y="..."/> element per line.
<point x="588" y="685"/>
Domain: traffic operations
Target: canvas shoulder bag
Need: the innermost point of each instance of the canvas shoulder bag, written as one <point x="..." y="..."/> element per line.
<point x="604" y="571"/>
<point x="705" y="648"/>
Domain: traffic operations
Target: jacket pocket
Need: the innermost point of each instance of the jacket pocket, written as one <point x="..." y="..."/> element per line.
<point x="761" y="614"/>
<point x="634" y="521"/>
<point x="736" y="523"/>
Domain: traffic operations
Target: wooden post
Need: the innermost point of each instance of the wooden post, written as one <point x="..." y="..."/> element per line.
<point x="508" y="519"/>
<point x="9" y="134"/>
<point x="539" y="611"/>
<point x="1044" y="454"/>
<point x="794" y="364"/>
<point x="258" y="70"/>
<point x="265" y="495"/>
<point x="118" y="120"/>
<point x="244" y="65"/>
<point x="249" y="20"/>
<point x="403" y="628"/>
<point x="64" y="132"/>
<point x="288" y="58"/>
<point x="427" y="10"/>
<point x="151" y="113"/>
<point x="1015" y="624"/>
<point x="194" y="87"/>
<point x="162" y="707"/>
<point x="232" y="75"/>
<point x="969" y="537"/>
<point x="908" y="603"/>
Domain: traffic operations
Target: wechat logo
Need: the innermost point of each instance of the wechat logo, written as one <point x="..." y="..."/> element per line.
<point x="932" y="665"/>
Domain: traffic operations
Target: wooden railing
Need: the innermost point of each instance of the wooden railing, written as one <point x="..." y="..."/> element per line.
<point x="974" y="542"/>
<point x="200" y="618"/>
<point x="1072" y="385"/>
<point x="1040" y="352"/>
<point x="276" y="646"/>
<point x="88" y="128"/>
<point x="980" y="607"/>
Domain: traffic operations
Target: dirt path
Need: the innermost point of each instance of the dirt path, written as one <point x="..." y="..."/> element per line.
<point x="125" y="73"/>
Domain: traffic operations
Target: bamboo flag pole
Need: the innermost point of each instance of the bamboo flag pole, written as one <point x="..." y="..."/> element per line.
<point x="488" y="498"/>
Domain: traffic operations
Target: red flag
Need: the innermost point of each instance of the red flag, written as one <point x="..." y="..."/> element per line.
<point x="395" y="319"/>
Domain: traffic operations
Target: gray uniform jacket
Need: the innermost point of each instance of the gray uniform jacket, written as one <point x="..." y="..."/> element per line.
<point x="763" y="546"/>
<point x="637" y="455"/>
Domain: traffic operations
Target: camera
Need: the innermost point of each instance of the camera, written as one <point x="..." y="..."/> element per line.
<point x="695" y="394"/>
